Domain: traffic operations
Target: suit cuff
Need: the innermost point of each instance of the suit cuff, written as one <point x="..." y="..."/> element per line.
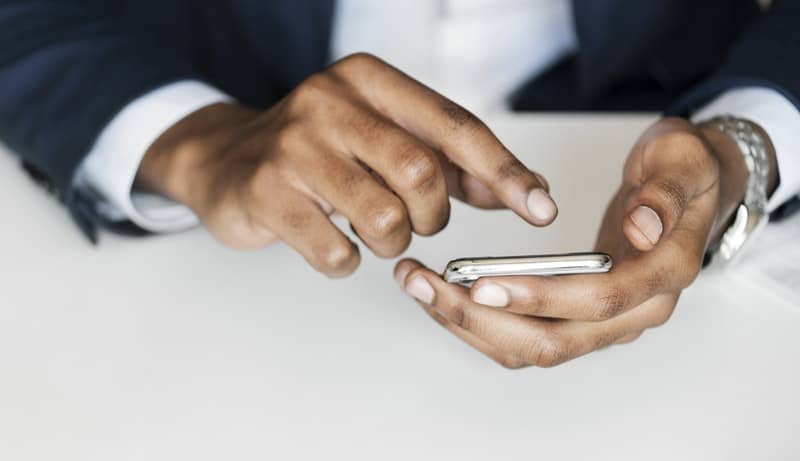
<point x="111" y="166"/>
<point x="779" y="118"/>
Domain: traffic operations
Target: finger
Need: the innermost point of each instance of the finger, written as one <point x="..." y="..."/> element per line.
<point x="596" y="297"/>
<point x="467" y="188"/>
<point x="401" y="271"/>
<point x="503" y="359"/>
<point x="451" y="129"/>
<point x="459" y="184"/>
<point x="627" y="339"/>
<point x="676" y="170"/>
<point x="670" y="267"/>
<point x="306" y="227"/>
<point x="377" y="215"/>
<point x="407" y="165"/>
<point x="537" y="341"/>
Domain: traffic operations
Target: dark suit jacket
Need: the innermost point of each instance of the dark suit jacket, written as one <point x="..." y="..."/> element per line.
<point x="67" y="66"/>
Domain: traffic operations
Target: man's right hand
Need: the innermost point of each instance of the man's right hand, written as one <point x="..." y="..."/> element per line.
<point x="361" y="139"/>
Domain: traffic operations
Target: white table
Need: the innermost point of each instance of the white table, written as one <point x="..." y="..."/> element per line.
<point x="173" y="348"/>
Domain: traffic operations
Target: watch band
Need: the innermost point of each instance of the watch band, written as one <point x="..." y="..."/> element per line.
<point x="751" y="215"/>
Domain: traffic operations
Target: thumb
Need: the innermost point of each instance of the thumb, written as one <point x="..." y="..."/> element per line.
<point x="653" y="211"/>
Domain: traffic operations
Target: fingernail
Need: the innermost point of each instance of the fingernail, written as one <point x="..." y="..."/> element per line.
<point x="541" y="206"/>
<point x="648" y="222"/>
<point x="420" y="289"/>
<point x="492" y="295"/>
<point x="401" y="273"/>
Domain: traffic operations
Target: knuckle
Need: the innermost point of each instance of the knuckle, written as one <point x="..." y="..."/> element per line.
<point x="441" y="216"/>
<point x="550" y="352"/>
<point x="317" y="83"/>
<point x="459" y="316"/>
<point x="389" y="221"/>
<point x="627" y="339"/>
<point x="373" y="129"/>
<point x="635" y="336"/>
<point x="352" y="184"/>
<point x="437" y="317"/>
<point x="254" y="187"/>
<point x="605" y="339"/>
<point x="295" y="220"/>
<point x="460" y="119"/>
<point x="306" y="92"/>
<point x="289" y="137"/>
<point x="670" y="192"/>
<point x="418" y="171"/>
<point x="511" y="169"/>
<point x="611" y="303"/>
<point x="312" y="95"/>
<point x="510" y="363"/>
<point x="241" y="234"/>
<point x="337" y="258"/>
<point x="662" y="316"/>
<point x="358" y="61"/>
<point x="357" y="66"/>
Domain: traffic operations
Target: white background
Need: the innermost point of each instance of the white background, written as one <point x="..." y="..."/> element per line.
<point x="173" y="347"/>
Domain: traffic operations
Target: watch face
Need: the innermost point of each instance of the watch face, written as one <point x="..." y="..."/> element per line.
<point x="748" y="222"/>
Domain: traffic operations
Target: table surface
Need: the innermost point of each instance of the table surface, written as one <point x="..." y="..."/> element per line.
<point x="173" y="347"/>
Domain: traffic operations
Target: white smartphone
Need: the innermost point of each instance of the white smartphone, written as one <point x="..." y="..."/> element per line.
<point x="466" y="271"/>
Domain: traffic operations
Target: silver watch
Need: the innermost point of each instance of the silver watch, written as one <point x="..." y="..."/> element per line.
<point x="751" y="215"/>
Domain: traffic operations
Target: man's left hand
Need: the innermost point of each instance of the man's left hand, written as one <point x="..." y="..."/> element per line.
<point x="680" y="187"/>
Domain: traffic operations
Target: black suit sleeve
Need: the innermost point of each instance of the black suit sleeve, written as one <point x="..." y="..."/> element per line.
<point x="766" y="55"/>
<point x="66" y="68"/>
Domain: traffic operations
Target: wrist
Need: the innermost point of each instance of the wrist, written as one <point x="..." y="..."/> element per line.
<point x="733" y="173"/>
<point x="174" y="165"/>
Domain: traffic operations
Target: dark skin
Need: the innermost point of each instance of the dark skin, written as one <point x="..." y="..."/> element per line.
<point x="693" y="178"/>
<point x="368" y="142"/>
<point x="361" y="139"/>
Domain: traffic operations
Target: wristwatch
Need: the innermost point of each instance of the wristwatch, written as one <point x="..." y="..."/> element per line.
<point x="751" y="215"/>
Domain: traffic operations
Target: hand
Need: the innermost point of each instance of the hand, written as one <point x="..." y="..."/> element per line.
<point x="680" y="187"/>
<point x="361" y="139"/>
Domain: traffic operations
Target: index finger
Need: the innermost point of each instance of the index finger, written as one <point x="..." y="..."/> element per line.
<point x="453" y="130"/>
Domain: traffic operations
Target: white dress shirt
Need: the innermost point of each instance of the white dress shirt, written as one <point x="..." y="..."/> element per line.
<point x="476" y="52"/>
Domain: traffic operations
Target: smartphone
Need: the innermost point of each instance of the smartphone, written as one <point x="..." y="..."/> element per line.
<point x="467" y="270"/>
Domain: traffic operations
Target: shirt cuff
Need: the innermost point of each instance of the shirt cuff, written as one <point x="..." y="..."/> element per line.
<point x="110" y="168"/>
<point x="779" y="118"/>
